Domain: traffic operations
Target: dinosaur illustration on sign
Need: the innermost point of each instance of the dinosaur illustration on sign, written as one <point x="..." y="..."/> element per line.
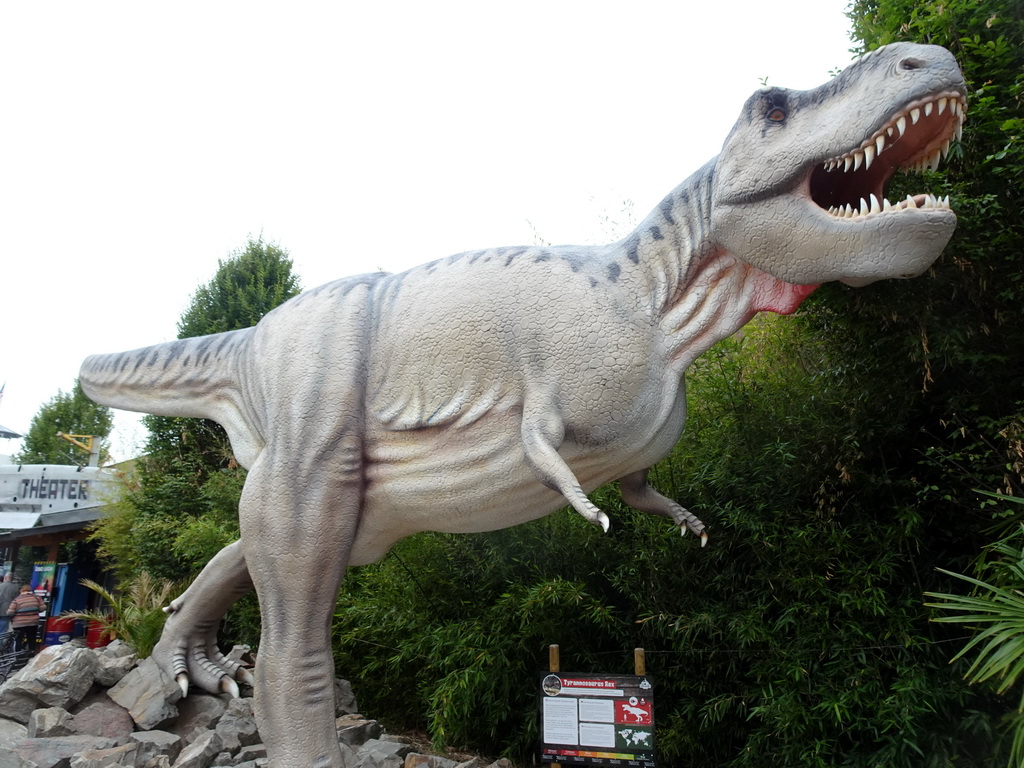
<point x="490" y="388"/>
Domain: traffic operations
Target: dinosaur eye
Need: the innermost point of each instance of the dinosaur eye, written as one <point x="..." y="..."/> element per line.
<point x="776" y="115"/>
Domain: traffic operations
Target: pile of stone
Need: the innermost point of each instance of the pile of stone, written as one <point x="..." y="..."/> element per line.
<point x="77" y="707"/>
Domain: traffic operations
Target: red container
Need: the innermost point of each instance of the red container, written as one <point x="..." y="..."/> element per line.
<point x="59" y="630"/>
<point x="92" y="636"/>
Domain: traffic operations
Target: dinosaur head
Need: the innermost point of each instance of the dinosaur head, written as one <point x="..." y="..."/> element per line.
<point x="800" y="185"/>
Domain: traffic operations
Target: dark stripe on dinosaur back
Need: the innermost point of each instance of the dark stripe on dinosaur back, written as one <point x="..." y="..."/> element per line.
<point x="226" y="342"/>
<point x="511" y="254"/>
<point x="613" y="272"/>
<point x="574" y="260"/>
<point x="655" y="232"/>
<point x="203" y="350"/>
<point x="633" y="248"/>
<point x="176" y="350"/>
<point x="666" y="211"/>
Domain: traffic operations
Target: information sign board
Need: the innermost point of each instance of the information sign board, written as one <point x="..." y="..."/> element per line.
<point x="597" y="720"/>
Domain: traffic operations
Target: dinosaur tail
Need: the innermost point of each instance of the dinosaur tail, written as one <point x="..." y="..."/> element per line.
<point x="189" y="377"/>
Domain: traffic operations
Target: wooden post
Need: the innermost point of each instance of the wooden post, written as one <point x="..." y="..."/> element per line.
<point x="639" y="661"/>
<point x="553" y="660"/>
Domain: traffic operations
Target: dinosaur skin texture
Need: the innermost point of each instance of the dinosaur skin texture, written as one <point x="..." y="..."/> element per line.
<point x="490" y="388"/>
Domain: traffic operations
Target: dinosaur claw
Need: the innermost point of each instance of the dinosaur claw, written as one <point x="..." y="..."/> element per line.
<point x="683" y="529"/>
<point x="245" y="676"/>
<point x="604" y="522"/>
<point x="182" y="680"/>
<point x="168" y="609"/>
<point x="703" y="538"/>
<point x="227" y="685"/>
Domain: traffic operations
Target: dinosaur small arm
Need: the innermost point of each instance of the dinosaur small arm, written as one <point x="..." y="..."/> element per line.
<point x="490" y="388"/>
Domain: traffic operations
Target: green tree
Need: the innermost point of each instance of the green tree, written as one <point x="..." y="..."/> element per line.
<point x="182" y="507"/>
<point x="71" y="413"/>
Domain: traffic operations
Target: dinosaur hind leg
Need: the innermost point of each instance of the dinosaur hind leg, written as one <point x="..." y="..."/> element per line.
<point x="298" y="526"/>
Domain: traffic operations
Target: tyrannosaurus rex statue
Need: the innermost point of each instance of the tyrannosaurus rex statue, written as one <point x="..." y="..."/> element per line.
<point x="489" y="388"/>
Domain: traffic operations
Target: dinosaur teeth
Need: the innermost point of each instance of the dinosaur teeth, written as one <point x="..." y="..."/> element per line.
<point x="872" y="205"/>
<point x="866" y="154"/>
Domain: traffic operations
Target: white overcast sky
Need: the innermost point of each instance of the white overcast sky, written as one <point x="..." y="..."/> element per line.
<point x="140" y="142"/>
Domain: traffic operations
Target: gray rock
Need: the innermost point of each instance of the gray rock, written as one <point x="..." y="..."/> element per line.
<point x="58" y="676"/>
<point x="237" y="726"/>
<point x="117" y="649"/>
<point x="377" y="753"/>
<point x="344" y="698"/>
<point x="501" y="762"/>
<point x="110" y="668"/>
<point x="11" y="733"/>
<point x="349" y="757"/>
<point x="473" y="762"/>
<point x="250" y="753"/>
<point x="416" y="760"/>
<point x="201" y="752"/>
<point x="160" y="761"/>
<point x="148" y="694"/>
<point x="124" y="755"/>
<point x="56" y="752"/>
<point x="100" y="715"/>
<point x="355" y="730"/>
<point x="51" y="721"/>
<point x="238" y="652"/>
<point x="197" y="711"/>
<point x="155" y="743"/>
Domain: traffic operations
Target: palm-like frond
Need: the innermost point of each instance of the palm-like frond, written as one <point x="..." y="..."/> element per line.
<point x="134" y="614"/>
<point x="996" y="611"/>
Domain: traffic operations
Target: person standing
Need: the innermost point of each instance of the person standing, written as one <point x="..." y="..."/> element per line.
<point x="24" y="612"/>
<point x="8" y="591"/>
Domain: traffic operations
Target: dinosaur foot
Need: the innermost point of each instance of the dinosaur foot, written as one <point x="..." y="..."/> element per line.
<point x="687" y="521"/>
<point x="592" y="514"/>
<point x="190" y="656"/>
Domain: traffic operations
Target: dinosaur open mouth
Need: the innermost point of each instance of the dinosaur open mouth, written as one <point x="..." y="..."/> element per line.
<point x="916" y="138"/>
